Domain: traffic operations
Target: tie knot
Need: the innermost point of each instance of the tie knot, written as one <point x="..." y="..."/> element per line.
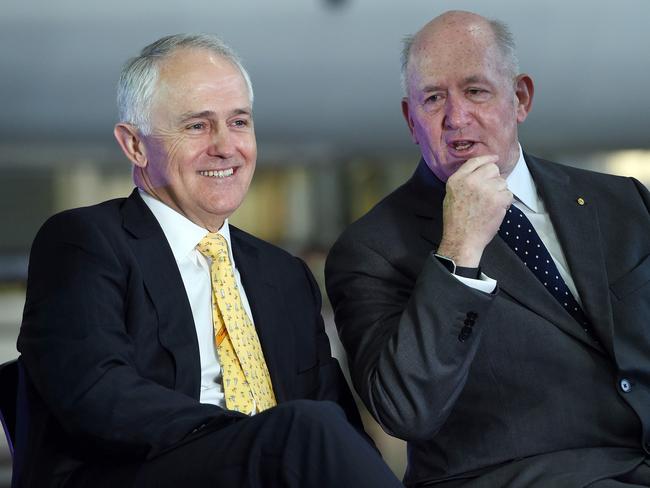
<point x="213" y="245"/>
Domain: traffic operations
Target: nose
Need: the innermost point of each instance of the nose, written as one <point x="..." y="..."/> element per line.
<point x="222" y="143"/>
<point x="457" y="113"/>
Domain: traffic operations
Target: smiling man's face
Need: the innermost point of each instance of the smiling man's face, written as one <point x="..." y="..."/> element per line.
<point x="462" y="101"/>
<point x="200" y="156"/>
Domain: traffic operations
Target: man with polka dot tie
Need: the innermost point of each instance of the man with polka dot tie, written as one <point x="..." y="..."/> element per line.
<point x="495" y="307"/>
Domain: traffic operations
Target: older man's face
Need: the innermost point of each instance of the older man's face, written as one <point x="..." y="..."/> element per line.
<point x="201" y="152"/>
<point x="461" y="103"/>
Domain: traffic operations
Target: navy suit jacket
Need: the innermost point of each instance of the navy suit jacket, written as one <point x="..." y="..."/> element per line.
<point x="527" y="399"/>
<point x="110" y="350"/>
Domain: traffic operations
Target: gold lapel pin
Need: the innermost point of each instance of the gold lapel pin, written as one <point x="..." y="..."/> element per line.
<point x="580" y="200"/>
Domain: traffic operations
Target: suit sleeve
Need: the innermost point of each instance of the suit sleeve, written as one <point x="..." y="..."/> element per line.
<point x="331" y="384"/>
<point x="76" y="345"/>
<point x="410" y="344"/>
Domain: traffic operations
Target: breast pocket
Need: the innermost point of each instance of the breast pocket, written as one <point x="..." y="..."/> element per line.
<point x="631" y="314"/>
<point x="633" y="283"/>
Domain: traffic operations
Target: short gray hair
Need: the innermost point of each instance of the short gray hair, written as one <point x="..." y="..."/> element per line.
<point x="139" y="76"/>
<point x="503" y="37"/>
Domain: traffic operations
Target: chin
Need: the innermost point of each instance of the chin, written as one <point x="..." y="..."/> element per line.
<point x="223" y="209"/>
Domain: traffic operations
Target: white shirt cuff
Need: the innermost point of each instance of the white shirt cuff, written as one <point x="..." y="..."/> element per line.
<point x="484" y="283"/>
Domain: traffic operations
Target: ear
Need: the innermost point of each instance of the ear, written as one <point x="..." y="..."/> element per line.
<point x="409" y="121"/>
<point x="130" y="140"/>
<point x="524" y="90"/>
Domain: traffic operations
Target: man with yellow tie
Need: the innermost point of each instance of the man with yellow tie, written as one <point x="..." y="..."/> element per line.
<point x="163" y="347"/>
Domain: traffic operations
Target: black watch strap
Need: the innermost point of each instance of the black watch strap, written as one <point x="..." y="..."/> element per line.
<point x="473" y="273"/>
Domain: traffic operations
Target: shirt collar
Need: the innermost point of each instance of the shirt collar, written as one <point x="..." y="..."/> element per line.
<point x="182" y="234"/>
<point x="520" y="183"/>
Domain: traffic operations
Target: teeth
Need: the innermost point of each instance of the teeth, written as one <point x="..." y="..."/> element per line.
<point x="224" y="173"/>
<point x="461" y="146"/>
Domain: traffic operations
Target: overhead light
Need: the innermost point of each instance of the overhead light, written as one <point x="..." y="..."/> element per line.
<point x="632" y="162"/>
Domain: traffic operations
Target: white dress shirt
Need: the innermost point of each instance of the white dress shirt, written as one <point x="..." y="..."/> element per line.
<point x="521" y="184"/>
<point x="183" y="236"/>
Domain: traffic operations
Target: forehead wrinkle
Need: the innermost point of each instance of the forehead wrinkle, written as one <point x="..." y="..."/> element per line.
<point x="468" y="80"/>
<point x="475" y="79"/>
<point x="196" y="115"/>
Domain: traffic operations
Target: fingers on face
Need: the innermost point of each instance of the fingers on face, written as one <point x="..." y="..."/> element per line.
<point x="487" y="175"/>
<point x="478" y="162"/>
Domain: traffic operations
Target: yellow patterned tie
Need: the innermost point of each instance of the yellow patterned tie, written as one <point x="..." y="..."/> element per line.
<point x="246" y="379"/>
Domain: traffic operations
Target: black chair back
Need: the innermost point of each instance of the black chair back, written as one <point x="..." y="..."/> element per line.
<point x="9" y="389"/>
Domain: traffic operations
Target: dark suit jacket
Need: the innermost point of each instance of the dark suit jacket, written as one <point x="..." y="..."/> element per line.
<point x="109" y="344"/>
<point x="527" y="399"/>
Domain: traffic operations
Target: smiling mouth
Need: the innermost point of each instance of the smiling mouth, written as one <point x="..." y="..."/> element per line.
<point x="222" y="173"/>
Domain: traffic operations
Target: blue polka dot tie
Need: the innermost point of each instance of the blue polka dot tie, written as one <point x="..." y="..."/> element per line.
<point x="517" y="231"/>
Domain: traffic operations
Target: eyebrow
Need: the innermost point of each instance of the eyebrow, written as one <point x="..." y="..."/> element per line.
<point x="466" y="81"/>
<point x="211" y="114"/>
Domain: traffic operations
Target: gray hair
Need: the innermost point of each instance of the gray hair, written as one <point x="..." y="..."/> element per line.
<point x="504" y="40"/>
<point x="139" y="76"/>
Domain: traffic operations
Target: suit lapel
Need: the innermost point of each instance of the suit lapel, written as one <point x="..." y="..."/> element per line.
<point x="265" y="302"/>
<point x="164" y="284"/>
<point x="517" y="281"/>
<point x="502" y="264"/>
<point x="579" y="234"/>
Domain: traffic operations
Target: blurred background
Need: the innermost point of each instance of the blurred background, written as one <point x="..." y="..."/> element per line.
<point x="331" y="137"/>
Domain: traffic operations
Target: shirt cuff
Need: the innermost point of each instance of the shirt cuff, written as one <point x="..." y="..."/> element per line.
<point x="484" y="283"/>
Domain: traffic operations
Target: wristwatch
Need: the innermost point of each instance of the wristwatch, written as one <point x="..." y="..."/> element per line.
<point x="447" y="262"/>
